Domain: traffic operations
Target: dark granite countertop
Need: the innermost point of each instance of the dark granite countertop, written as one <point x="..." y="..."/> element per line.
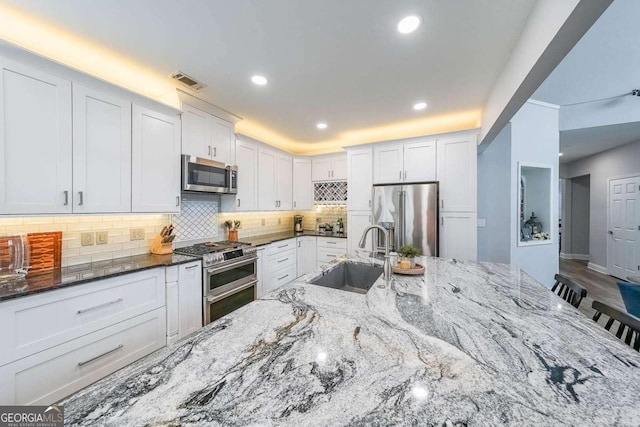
<point x="265" y="239"/>
<point x="83" y="273"/>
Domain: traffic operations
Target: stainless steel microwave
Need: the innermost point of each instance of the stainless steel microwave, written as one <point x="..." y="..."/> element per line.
<point x="208" y="176"/>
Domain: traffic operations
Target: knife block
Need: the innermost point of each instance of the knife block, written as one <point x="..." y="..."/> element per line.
<point x="159" y="248"/>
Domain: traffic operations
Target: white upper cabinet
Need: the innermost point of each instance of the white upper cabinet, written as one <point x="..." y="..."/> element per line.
<point x="329" y="168"/>
<point x="457" y="173"/>
<point x="204" y="135"/>
<point x="405" y="162"/>
<point x="224" y="138"/>
<point x="302" y="185"/>
<point x="420" y="161"/>
<point x="155" y="161"/>
<point x="101" y="152"/>
<point x="267" y="200"/>
<point x="360" y="179"/>
<point x="35" y="141"/>
<point x="388" y="164"/>
<point x="197" y="132"/>
<point x="247" y="161"/>
<point x="284" y="187"/>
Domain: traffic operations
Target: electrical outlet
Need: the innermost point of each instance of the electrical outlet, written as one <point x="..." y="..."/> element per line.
<point x="136" y="234"/>
<point x="86" y="239"/>
<point x="102" y="237"/>
<point x="263" y="222"/>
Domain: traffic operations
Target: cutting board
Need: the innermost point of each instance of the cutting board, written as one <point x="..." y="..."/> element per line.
<point x="46" y="251"/>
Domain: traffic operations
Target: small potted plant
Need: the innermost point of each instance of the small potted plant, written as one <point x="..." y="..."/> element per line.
<point x="408" y="256"/>
<point x="232" y="229"/>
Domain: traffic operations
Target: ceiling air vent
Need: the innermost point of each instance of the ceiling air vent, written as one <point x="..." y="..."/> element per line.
<point x="188" y="81"/>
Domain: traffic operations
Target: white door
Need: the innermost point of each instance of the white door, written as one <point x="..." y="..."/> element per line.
<point x="457" y="173"/>
<point x="360" y="179"/>
<point x="420" y="161"/>
<point x="35" y="142"/>
<point x="197" y="132"/>
<point x="306" y="255"/>
<point x="623" y="256"/>
<point x="266" y="180"/>
<point x="284" y="188"/>
<point x="247" y="161"/>
<point x="155" y="162"/>
<point x="458" y="236"/>
<point x="302" y="185"/>
<point x="101" y="152"/>
<point x="357" y="222"/>
<point x="321" y="169"/>
<point x="190" y="298"/>
<point x="388" y="164"/>
<point x="223" y="141"/>
<point x="339" y="167"/>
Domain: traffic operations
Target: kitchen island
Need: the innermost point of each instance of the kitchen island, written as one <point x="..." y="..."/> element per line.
<point x="464" y="344"/>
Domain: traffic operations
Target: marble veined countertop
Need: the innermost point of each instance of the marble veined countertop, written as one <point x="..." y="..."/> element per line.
<point x="465" y="344"/>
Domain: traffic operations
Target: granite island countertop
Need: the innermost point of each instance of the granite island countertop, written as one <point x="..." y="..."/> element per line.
<point x="464" y="344"/>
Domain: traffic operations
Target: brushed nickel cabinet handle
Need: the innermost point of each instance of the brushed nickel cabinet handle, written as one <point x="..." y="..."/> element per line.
<point x="399" y="174"/>
<point x="81" y="195"/>
<point x="191" y="267"/>
<point x="209" y="150"/>
<point x="106" y="353"/>
<point x="280" y="278"/>
<point x="66" y="197"/>
<point x="215" y="152"/>
<point x="238" y="201"/>
<point x="405" y="174"/>
<point x="283" y="260"/>
<point x="177" y="200"/>
<point x="95" y="307"/>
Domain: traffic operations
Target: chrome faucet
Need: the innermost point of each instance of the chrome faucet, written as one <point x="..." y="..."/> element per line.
<point x="386" y="269"/>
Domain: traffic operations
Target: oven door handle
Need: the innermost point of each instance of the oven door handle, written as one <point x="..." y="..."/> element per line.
<point x="244" y="261"/>
<point x="216" y="298"/>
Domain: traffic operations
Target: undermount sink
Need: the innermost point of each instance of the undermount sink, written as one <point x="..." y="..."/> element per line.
<point x="350" y="276"/>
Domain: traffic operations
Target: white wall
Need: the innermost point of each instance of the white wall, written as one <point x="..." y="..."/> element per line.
<point x="535" y="138"/>
<point x="580" y="189"/>
<point x="494" y="199"/>
<point x="618" y="161"/>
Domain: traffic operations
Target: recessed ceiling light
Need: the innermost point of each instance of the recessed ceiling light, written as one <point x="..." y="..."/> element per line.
<point x="259" y="80"/>
<point x="420" y="106"/>
<point x="321" y="125"/>
<point x="560" y="154"/>
<point x="409" y="24"/>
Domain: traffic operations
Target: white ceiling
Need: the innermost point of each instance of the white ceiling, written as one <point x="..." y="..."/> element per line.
<point x="603" y="64"/>
<point x="339" y="61"/>
<point x="578" y="143"/>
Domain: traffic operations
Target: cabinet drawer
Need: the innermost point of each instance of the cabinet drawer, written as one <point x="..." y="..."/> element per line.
<point x="55" y="373"/>
<point x="332" y="242"/>
<point x="280" y="277"/>
<point x="280" y="260"/>
<point x="326" y="255"/>
<point x="278" y="247"/>
<point x="42" y="321"/>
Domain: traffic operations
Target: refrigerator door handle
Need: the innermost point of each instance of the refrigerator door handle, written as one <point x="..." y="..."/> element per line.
<point x="401" y="219"/>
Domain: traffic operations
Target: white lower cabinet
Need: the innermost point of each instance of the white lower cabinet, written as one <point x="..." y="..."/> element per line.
<point x="184" y="300"/>
<point x="458" y="235"/>
<point x="330" y="248"/>
<point x="259" y="271"/>
<point x="57" y="342"/>
<point x="55" y="373"/>
<point x="279" y="264"/>
<point x="306" y="254"/>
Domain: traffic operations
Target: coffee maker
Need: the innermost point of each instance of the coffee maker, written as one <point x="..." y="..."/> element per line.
<point x="297" y="223"/>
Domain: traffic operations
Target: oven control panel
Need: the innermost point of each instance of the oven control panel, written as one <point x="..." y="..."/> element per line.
<point x="221" y="257"/>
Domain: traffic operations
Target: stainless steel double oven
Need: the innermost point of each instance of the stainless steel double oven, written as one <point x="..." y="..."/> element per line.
<point x="229" y="285"/>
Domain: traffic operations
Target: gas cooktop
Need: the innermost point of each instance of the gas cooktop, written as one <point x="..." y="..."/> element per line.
<point x="217" y="252"/>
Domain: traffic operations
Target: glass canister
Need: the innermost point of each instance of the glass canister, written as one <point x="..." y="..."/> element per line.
<point x="14" y="256"/>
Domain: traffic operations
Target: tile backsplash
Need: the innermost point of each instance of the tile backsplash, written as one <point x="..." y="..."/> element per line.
<point x="198" y="219"/>
<point x="118" y="228"/>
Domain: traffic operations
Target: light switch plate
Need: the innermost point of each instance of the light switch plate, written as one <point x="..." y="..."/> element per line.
<point x="86" y="239"/>
<point x="136" y="234"/>
<point x="102" y="238"/>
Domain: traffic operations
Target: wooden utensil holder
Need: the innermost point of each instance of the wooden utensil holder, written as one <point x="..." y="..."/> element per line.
<point x="159" y="248"/>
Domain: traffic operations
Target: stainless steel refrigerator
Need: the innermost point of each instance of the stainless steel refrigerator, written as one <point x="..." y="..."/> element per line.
<point x="410" y="214"/>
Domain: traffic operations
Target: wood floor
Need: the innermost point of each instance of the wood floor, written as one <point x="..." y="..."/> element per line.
<point x="599" y="287"/>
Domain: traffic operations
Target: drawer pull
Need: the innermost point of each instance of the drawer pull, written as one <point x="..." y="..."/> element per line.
<point x="106" y="353"/>
<point x="280" y="278"/>
<point x="84" y="310"/>
<point x="283" y="260"/>
<point x="191" y="267"/>
<point x="331" y="256"/>
<point x="283" y="246"/>
<point x="331" y="243"/>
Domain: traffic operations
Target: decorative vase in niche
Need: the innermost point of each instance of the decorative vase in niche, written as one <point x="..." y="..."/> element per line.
<point x="233" y="235"/>
<point x="533" y="224"/>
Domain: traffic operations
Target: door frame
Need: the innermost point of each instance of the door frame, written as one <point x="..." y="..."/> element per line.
<point x="609" y="179"/>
